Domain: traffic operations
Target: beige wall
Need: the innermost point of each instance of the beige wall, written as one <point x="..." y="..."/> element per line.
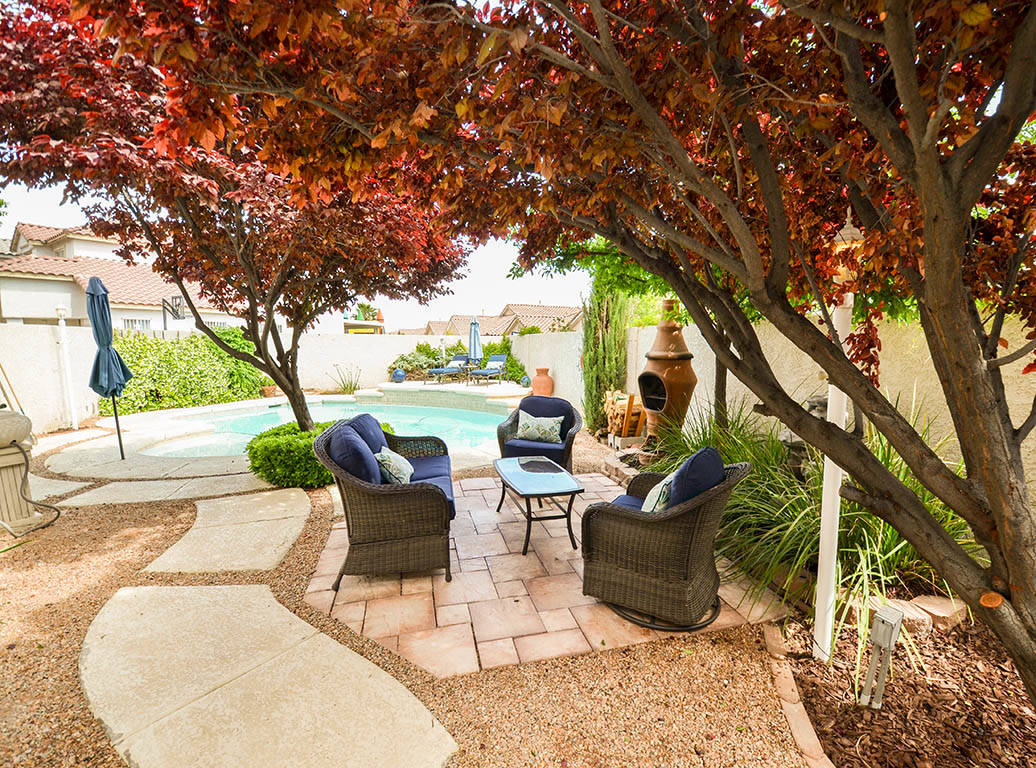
<point x="562" y="353"/>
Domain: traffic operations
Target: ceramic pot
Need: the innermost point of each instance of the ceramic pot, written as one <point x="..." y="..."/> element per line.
<point x="14" y="428"/>
<point x="399" y="375"/>
<point x="542" y="383"/>
<point x="668" y="380"/>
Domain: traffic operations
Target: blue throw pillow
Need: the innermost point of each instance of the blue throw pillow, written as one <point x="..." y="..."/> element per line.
<point x="348" y="450"/>
<point x="369" y="429"/>
<point x="699" y="473"/>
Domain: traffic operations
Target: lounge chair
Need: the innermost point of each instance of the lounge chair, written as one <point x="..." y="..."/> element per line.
<point x="661" y="564"/>
<point x="392" y="528"/>
<point x="494" y="369"/>
<point x="537" y="405"/>
<point x="453" y="368"/>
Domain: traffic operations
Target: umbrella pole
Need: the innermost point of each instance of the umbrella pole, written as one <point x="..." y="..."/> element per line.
<point x="118" y="431"/>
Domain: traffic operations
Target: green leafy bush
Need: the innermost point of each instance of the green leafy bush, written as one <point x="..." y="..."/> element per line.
<point x="529" y="329"/>
<point x="184" y="372"/>
<point x="605" y="317"/>
<point x="283" y="456"/>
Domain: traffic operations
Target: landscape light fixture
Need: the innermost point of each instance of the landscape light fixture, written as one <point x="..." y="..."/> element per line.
<point x="884" y="633"/>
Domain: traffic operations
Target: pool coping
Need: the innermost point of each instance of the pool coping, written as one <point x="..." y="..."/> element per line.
<point x="98" y="457"/>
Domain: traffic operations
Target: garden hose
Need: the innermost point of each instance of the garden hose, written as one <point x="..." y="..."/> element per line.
<point x="24" y="491"/>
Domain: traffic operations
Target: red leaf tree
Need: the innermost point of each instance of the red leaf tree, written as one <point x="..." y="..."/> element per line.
<point x="73" y="112"/>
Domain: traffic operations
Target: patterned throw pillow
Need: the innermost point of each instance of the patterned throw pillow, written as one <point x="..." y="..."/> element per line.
<point x="494" y="365"/>
<point x="658" y="497"/>
<point x="395" y="469"/>
<point x="539" y="429"/>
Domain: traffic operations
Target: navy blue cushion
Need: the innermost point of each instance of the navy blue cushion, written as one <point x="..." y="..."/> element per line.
<point x="369" y="429"/>
<point x="444" y="482"/>
<point x="429" y="466"/>
<point x="349" y="451"/>
<point x="633" y="502"/>
<point x="516" y="447"/>
<point x="699" y="473"/>
<point x="537" y="405"/>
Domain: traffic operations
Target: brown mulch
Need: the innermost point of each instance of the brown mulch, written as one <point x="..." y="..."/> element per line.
<point x="701" y="701"/>
<point x="967" y="706"/>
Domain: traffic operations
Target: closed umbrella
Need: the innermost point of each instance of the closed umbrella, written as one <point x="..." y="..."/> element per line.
<point x="474" y="341"/>
<point x="110" y="374"/>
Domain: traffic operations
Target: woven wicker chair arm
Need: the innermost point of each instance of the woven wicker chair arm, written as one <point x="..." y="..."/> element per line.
<point x="387" y="512"/>
<point x="412" y="447"/>
<point x="641" y="484"/>
<point x="577" y="425"/>
<point x="507" y="429"/>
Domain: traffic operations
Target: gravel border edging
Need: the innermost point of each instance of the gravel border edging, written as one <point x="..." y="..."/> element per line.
<point x="801" y="726"/>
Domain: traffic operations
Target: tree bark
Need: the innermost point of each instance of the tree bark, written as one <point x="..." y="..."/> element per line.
<point x="719" y="397"/>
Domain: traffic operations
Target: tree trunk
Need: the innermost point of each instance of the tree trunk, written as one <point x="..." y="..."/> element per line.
<point x="719" y="397"/>
<point x="297" y="400"/>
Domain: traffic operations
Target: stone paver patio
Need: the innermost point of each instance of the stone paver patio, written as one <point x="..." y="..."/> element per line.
<point x="501" y="607"/>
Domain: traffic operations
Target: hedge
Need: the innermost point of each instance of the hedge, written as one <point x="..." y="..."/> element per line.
<point x="184" y="372"/>
<point x="283" y="456"/>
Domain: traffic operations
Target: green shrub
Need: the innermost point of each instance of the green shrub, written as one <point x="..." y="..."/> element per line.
<point x="426" y="356"/>
<point x="283" y="456"/>
<point x="529" y="329"/>
<point x="184" y="372"/>
<point x="605" y="317"/>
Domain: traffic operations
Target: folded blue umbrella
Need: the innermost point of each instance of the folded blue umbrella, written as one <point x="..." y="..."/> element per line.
<point x="109" y="374"/>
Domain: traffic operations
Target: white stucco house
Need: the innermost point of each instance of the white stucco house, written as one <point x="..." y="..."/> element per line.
<point x="49" y="267"/>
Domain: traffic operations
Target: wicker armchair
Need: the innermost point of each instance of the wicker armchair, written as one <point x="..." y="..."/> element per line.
<point x="659" y="564"/>
<point x="537" y="405"/>
<point x="393" y="528"/>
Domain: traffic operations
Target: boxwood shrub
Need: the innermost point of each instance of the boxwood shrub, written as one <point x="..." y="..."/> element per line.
<point x="283" y="456"/>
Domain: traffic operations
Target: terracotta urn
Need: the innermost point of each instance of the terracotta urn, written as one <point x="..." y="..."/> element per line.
<point x="542" y="383"/>
<point x="668" y="380"/>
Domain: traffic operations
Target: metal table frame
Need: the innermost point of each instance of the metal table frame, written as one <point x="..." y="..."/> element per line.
<point x="566" y="512"/>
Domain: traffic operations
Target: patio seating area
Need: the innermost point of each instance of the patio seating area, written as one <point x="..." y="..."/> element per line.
<point x="501" y="607"/>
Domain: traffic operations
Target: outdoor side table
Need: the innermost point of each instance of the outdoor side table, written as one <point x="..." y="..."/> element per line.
<point x="537" y="477"/>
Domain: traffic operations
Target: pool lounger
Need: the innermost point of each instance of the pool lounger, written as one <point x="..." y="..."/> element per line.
<point x="452" y="368"/>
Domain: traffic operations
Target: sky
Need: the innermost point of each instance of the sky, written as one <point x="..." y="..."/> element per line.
<point x="482" y="287"/>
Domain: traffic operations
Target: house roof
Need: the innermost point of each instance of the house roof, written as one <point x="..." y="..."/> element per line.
<point x="423" y="330"/>
<point x="126" y="283"/>
<point x="547" y="322"/>
<point x="437" y="327"/>
<point x="551" y="310"/>
<point x="41" y="233"/>
<point x="488" y="325"/>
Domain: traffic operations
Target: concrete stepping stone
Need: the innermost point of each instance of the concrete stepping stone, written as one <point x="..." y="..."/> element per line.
<point x="50" y="442"/>
<point x="100" y="458"/>
<point x="133" y="491"/>
<point x="199" y="677"/>
<point x="239" y="533"/>
<point x="42" y="488"/>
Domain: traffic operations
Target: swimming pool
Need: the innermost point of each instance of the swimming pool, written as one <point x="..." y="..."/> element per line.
<point x="461" y="429"/>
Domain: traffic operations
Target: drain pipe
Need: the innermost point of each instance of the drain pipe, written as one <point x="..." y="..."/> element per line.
<point x="66" y="366"/>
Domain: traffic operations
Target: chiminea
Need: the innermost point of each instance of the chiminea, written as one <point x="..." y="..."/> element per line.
<point x="667" y="381"/>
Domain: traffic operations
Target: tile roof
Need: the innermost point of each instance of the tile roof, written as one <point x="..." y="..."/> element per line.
<point x="543" y="310"/>
<point x="126" y="283"/>
<point x="40" y="233"/>
<point x="547" y="322"/>
<point x="488" y="325"/>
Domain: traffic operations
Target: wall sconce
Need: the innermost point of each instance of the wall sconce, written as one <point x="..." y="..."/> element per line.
<point x="884" y="633"/>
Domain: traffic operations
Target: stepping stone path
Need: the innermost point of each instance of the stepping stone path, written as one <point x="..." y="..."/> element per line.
<point x="134" y="491"/>
<point x="238" y="533"/>
<point x="42" y="488"/>
<point x="190" y="677"/>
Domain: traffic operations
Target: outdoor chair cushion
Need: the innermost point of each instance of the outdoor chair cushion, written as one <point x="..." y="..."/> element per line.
<point x="395" y="469"/>
<point x="369" y="429"/>
<point x="349" y="451"/>
<point x="658" y="497"/>
<point x="553" y="451"/>
<point x="446" y="483"/>
<point x="451" y="367"/>
<point x="699" y="473"/>
<point x="625" y="500"/>
<point x="541" y="429"/>
<point x="429" y="466"/>
<point x="538" y="405"/>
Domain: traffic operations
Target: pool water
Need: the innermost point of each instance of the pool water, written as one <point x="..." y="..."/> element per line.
<point x="231" y="431"/>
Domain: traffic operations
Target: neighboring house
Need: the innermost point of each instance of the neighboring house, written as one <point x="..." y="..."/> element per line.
<point x="512" y="319"/>
<point x="50" y="267"/>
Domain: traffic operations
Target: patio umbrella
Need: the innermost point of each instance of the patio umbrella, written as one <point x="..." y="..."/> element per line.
<point x="474" y="341"/>
<point x="110" y="374"/>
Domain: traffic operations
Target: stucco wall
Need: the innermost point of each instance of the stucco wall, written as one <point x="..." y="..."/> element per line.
<point x="562" y="353"/>
<point x="21" y="298"/>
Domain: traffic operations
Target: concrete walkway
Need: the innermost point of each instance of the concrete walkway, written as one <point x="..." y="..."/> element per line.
<point x="188" y="677"/>
<point x="238" y="533"/>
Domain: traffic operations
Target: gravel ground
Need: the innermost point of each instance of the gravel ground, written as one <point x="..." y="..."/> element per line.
<point x="706" y="700"/>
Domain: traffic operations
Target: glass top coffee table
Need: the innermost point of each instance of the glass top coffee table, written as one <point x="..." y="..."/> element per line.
<point x="537" y="477"/>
